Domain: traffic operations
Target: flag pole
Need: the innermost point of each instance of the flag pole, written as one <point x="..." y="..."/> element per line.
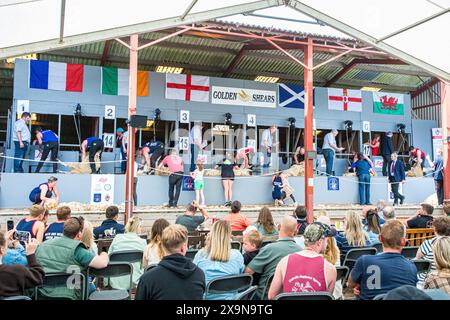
<point x="308" y="136"/>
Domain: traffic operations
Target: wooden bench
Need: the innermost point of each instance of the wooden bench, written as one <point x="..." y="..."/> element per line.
<point x="415" y="237"/>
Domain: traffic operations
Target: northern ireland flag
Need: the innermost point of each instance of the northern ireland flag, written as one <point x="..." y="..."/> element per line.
<point x="292" y="96"/>
<point x="344" y="100"/>
<point x="186" y="87"/>
<point x="116" y="82"/>
<point x="56" y="76"/>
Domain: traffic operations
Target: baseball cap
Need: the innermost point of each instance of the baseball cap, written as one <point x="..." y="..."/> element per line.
<point x="119" y="130"/>
<point x="317" y="231"/>
<point x="406" y="292"/>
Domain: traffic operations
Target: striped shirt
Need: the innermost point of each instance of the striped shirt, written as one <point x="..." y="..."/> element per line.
<point x="426" y="248"/>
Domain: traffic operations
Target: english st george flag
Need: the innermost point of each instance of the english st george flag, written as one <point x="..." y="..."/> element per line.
<point x="344" y="100"/>
<point x="292" y="96"/>
<point x="187" y="87"/>
<point x="56" y="76"/>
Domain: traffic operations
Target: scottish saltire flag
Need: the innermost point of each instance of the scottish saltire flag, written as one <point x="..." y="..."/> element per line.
<point x="292" y="96"/>
<point x="56" y="76"/>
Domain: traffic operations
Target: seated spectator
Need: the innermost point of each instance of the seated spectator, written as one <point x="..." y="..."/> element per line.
<point x="374" y="275"/>
<point x="423" y="217"/>
<point x="440" y="278"/>
<point x="332" y="255"/>
<point x="175" y="277"/>
<point x="251" y="245"/>
<point x="217" y="259"/>
<point x="189" y="220"/>
<point x="87" y="238"/>
<point x="407" y="292"/>
<point x="130" y="240"/>
<point x="354" y="235"/>
<point x="238" y="221"/>
<point x="58" y="254"/>
<point x="300" y="214"/>
<point x="307" y="270"/>
<point x="441" y="226"/>
<point x="33" y="223"/>
<point x="154" y="251"/>
<point x="378" y="209"/>
<point x="265" y="224"/>
<point x="56" y="228"/>
<point x="446" y="209"/>
<point x="109" y="227"/>
<point x="15" y="253"/>
<point x="268" y="257"/>
<point x="16" y="278"/>
<point x="372" y="226"/>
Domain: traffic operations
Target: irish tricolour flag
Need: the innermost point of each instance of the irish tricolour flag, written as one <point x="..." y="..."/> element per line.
<point x="388" y="103"/>
<point x="116" y="82"/>
<point x="56" y="76"/>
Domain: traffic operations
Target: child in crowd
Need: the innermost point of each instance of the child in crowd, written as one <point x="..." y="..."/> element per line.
<point x="252" y="242"/>
<point x="199" y="184"/>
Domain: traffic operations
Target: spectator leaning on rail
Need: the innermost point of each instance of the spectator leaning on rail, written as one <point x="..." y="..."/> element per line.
<point x="176" y="169"/>
<point x="109" y="227"/>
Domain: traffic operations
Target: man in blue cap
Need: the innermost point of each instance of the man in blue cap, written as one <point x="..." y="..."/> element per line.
<point x="122" y="137"/>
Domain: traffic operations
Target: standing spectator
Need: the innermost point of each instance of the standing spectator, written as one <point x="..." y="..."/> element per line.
<point x="33" y="223"/>
<point x="109" y="227"/>
<point x="176" y="169"/>
<point x="56" y="228"/>
<point x="227" y="167"/>
<point x="307" y="270"/>
<point x="199" y="184"/>
<point x="189" y="220"/>
<point x="416" y="156"/>
<point x="440" y="279"/>
<point x="16" y="278"/>
<point x="121" y="140"/>
<point x="387" y="148"/>
<point x="238" y="221"/>
<point x="21" y="138"/>
<point x="281" y="189"/>
<point x="175" y="277"/>
<point x="363" y="167"/>
<point x="50" y="141"/>
<point x="301" y="214"/>
<point x="267" y="145"/>
<point x="44" y="192"/>
<point x="354" y="235"/>
<point x="265" y="224"/>
<point x="329" y="149"/>
<point x="438" y="166"/>
<point x="196" y="141"/>
<point x="441" y="226"/>
<point x="130" y="240"/>
<point x="423" y="217"/>
<point x="396" y="176"/>
<point x="375" y="145"/>
<point x="373" y="226"/>
<point x="154" y="251"/>
<point x="268" y="257"/>
<point x="217" y="259"/>
<point x="374" y="275"/>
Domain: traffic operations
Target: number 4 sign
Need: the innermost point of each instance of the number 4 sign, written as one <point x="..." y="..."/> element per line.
<point x="251" y="120"/>
<point x="110" y="112"/>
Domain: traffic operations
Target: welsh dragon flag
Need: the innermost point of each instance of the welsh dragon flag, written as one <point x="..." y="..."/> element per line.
<point x="388" y="103"/>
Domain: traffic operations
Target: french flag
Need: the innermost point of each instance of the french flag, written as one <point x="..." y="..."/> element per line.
<point x="56" y="76"/>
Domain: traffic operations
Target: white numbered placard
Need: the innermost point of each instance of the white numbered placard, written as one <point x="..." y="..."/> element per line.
<point x="251" y="143"/>
<point x="183" y="142"/>
<point x="23" y="106"/>
<point x="251" y="120"/>
<point x="202" y="158"/>
<point x="184" y="116"/>
<point x="366" y="126"/>
<point x="314" y="124"/>
<point x="110" y="112"/>
<point x="108" y="140"/>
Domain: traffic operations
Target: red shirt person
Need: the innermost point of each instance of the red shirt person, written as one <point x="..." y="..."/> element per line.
<point x="416" y="156"/>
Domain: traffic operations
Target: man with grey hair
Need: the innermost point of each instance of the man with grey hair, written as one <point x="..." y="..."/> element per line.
<point x="388" y="213"/>
<point x="267" y="144"/>
<point x="329" y="149"/>
<point x="268" y="257"/>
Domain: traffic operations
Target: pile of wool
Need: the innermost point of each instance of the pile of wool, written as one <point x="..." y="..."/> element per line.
<point x="84" y="167"/>
<point x="164" y="171"/>
<point x="51" y="204"/>
<point x="77" y="206"/>
<point x="415" y="171"/>
<point x="297" y="170"/>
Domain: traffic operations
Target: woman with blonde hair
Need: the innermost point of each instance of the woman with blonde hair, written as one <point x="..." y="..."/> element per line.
<point x="354" y="235"/>
<point x="154" y="251"/>
<point x="87" y="237"/>
<point x="217" y="259"/>
<point x="440" y="279"/>
<point x="128" y="241"/>
<point x="265" y="224"/>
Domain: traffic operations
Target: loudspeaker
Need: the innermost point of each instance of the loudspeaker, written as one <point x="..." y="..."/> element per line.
<point x="138" y="121"/>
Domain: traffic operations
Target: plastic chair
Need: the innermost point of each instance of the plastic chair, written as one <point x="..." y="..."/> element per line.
<point x="247" y="294"/>
<point x="267" y="287"/>
<point x="378" y="246"/>
<point x="353" y="255"/>
<point x="342" y="273"/>
<point x="410" y="252"/>
<point x="114" y="269"/>
<point x="60" y="280"/>
<point x="16" y="298"/>
<point x="227" y="284"/>
<point x="304" y="296"/>
<point x="422" y="266"/>
<point x="236" y="245"/>
<point x="191" y="253"/>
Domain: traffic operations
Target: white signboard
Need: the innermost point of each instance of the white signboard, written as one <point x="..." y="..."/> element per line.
<point x="391" y="194"/>
<point x="108" y="140"/>
<point x="437" y="137"/>
<point x="110" y="112"/>
<point x="243" y="97"/>
<point x="251" y="143"/>
<point x="366" y="126"/>
<point x="102" y="189"/>
<point x="251" y="120"/>
<point x="366" y="149"/>
<point x="314" y="124"/>
<point x="184" y="116"/>
<point x="378" y="163"/>
<point x="22" y="106"/>
<point x="183" y="143"/>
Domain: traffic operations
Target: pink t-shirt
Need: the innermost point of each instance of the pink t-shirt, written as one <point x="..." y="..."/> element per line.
<point x="304" y="274"/>
<point x="174" y="162"/>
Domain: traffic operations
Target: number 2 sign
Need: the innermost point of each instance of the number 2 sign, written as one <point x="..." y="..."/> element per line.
<point x="110" y="112"/>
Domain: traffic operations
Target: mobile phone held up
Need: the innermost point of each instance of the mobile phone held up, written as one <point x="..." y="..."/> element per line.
<point x="22" y="236"/>
<point x="10" y="225"/>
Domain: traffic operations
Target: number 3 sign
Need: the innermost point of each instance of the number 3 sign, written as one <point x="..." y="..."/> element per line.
<point x="184" y="116"/>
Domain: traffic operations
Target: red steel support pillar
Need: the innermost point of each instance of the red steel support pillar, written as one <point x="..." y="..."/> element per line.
<point x="308" y="136"/>
<point x="132" y="99"/>
<point x="445" y="106"/>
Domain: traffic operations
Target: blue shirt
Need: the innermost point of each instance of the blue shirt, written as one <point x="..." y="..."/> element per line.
<point x="277" y="187"/>
<point x="362" y="167"/>
<point x="438" y="167"/>
<point x="90" y="140"/>
<point x="49" y="136"/>
<point x="54" y="230"/>
<point x="15" y="256"/>
<point x="111" y="226"/>
<point x="381" y="273"/>
<point x="216" y="269"/>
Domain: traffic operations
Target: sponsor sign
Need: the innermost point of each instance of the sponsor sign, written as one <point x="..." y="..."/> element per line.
<point x="244" y="97"/>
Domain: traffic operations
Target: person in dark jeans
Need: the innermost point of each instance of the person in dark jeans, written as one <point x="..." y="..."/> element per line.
<point x="176" y="169"/>
<point x="94" y="145"/>
<point x="397" y="175"/>
<point x="438" y="166"/>
<point x="329" y="149"/>
<point x="50" y="141"/>
<point x="363" y="165"/>
<point x="21" y="138"/>
<point x="386" y="150"/>
<point x="121" y="140"/>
